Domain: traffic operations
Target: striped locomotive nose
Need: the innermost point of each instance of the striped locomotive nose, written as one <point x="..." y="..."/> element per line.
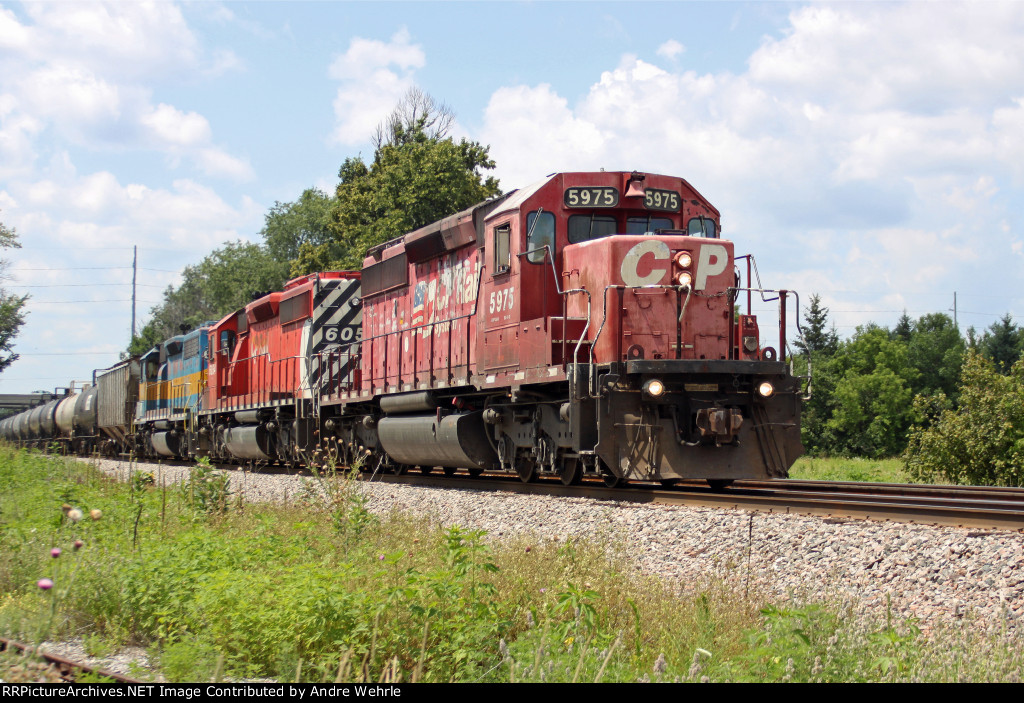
<point x="337" y="322"/>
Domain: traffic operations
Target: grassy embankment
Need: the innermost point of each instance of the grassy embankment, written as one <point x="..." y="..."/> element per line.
<point x="324" y="591"/>
<point x="846" y="469"/>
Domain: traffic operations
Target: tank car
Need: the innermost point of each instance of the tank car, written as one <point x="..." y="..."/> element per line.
<point x="582" y="325"/>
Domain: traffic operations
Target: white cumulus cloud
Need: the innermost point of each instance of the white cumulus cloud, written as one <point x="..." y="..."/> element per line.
<point x="374" y="75"/>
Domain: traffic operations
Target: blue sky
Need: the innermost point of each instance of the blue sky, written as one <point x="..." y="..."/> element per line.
<point x="869" y="152"/>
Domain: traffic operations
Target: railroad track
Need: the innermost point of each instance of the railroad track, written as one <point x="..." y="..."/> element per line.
<point x="57" y="669"/>
<point x="981" y="507"/>
<point x="958" y="506"/>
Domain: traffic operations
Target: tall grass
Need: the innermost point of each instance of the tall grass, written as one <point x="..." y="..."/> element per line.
<point x="850" y="469"/>
<point x="321" y="590"/>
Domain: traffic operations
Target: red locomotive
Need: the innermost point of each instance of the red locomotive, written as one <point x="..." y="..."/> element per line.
<point x="582" y="325"/>
<point x="585" y="325"/>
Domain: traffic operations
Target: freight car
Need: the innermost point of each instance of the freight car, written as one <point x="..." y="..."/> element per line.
<point x="96" y="419"/>
<point x="585" y="325"/>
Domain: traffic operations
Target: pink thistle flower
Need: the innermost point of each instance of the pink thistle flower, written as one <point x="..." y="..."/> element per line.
<point x="78" y="544"/>
<point x="45" y="584"/>
<point x="55" y="552"/>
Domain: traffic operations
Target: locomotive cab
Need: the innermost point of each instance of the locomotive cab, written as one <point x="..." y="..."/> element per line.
<point x="623" y="281"/>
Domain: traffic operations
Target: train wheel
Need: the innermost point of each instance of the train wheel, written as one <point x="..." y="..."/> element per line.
<point x="449" y="470"/>
<point x="426" y="470"/>
<point x="719" y="484"/>
<point x="400" y="469"/>
<point x="611" y="480"/>
<point x="572" y="472"/>
<point x="669" y="482"/>
<point x="526" y="469"/>
<point x="475" y="472"/>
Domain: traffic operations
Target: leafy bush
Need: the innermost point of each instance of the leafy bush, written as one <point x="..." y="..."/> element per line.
<point x="982" y="441"/>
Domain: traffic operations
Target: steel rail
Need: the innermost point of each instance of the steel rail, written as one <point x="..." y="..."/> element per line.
<point x="983" y="507"/>
<point x="1004" y="510"/>
<point x="68" y="669"/>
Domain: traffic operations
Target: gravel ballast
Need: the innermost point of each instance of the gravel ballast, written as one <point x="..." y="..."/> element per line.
<point x="930" y="573"/>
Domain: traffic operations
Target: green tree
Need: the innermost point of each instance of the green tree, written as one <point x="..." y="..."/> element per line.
<point x="819" y="334"/>
<point x="871" y="404"/>
<point x="290" y="225"/>
<point x="820" y="343"/>
<point x="904" y="328"/>
<point x="981" y="442"/>
<point x="1002" y="343"/>
<point x="224" y="281"/>
<point x="12" y="307"/>
<point x="418" y="176"/>
<point x="936" y="350"/>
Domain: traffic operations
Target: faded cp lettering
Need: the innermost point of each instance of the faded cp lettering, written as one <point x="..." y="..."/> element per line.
<point x="712" y="260"/>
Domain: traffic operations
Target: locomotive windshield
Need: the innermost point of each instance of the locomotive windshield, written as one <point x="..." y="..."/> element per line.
<point x="643" y="225"/>
<point x="586" y="227"/>
<point x="701" y="227"/>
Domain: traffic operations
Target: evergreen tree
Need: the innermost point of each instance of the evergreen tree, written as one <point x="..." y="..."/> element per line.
<point x="904" y="328"/>
<point x="1001" y="343"/>
<point x="819" y="336"/>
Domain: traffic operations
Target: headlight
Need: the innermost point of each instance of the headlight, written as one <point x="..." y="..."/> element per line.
<point x="683" y="259"/>
<point x="684" y="279"/>
<point x="766" y="389"/>
<point x="654" y="388"/>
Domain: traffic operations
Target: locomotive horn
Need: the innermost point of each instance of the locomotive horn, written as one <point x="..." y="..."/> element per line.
<point x="635" y="186"/>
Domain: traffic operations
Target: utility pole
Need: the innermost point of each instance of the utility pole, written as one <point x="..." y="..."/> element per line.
<point x="955" y="325"/>
<point x="135" y="270"/>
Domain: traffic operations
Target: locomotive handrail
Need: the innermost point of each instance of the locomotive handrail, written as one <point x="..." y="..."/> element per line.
<point x="549" y="256"/>
<point x="757" y="274"/>
<point x="782" y="295"/>
<point x="476" y="305"/>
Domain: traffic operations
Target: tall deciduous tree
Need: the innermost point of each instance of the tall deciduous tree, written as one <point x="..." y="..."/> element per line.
<point x="290" y="225"/>
<point x="935" y="350"/>
<point x="418" y="176"/>
<point x="224" y="280"/>
<point x="12" y="307"/>
<point x="872" y="399"/>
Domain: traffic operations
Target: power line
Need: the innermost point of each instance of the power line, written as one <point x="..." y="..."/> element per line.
<point x="106" y="353"/>
<point x="89" y="302"/>
<point x="82" y="285"/>
<point x="92" y="268"/>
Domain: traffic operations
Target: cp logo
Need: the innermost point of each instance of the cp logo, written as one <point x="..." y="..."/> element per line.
<point x="652" y="256"/>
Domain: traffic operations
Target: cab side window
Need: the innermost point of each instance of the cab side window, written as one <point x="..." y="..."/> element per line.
<point x="540" y="226"/>
<point x="502" y="259"/>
